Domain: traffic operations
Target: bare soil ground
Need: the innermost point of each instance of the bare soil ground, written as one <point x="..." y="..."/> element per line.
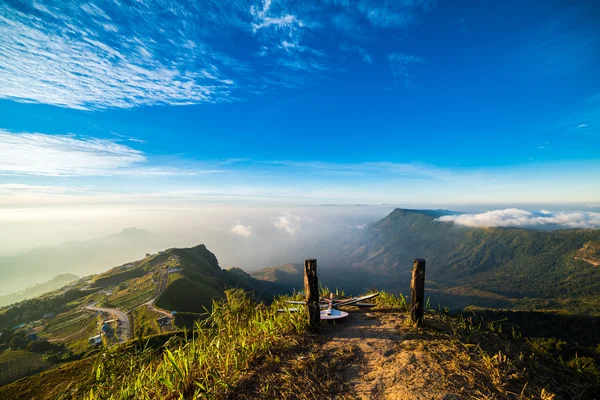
<point x="390" y="362"/>
<point x="387" y="358"/>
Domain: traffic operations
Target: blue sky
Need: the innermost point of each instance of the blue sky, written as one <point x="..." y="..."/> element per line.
<point x="362" y="101"/>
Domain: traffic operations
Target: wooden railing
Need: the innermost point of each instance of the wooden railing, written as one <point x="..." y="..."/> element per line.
<point x="311" y="290"/>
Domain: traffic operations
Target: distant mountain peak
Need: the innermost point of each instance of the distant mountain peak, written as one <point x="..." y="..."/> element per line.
<point x="432" y="213"/>
<point x="133" y="231"/>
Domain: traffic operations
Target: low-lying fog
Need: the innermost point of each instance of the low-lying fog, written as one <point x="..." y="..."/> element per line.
<point x="247" y="236"/>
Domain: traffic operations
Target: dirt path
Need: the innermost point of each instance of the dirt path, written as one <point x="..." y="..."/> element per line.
<point x="390" y="361"/>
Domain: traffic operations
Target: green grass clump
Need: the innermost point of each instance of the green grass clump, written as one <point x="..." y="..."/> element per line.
<point x="145" y="321"/>
<point x="235" y="334"/>
<point x="390" y="300"/>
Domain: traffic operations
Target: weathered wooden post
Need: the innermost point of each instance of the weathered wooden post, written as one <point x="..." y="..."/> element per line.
<point x="311" y="288"/>
<point x="417" y="288"/>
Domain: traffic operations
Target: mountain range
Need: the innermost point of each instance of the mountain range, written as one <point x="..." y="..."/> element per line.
<point x="531" y="272"/>
<point x="77" y="257"/>
<point x="502" y="267"/>
<point x="38" y="289"/>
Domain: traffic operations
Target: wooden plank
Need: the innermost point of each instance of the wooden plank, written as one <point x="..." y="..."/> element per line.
<point x="311" y="289"/>
<point x="355" y="300"/>
<point x="417" y="289"/>
<point x="330" y="307"/>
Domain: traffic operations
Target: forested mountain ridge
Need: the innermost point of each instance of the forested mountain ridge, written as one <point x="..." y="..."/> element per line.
<point x="487" y="265"/>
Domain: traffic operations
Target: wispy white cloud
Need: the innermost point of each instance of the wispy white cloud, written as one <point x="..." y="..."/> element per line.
<point x="400" y="63"/>
<point x="513" y="217"/>
<point x="70" y="155"/>
<point x="95" y="55"/>
<point x="383" y="168"/>
<point x="56" y="155"/>
<point x="242" y="230"/>
<point x="362" y="52"/>
<point x="75" y="61"/>
<point x="19" y="189"/>
<point x="582" y="125"/>
<point x="264" y="19"/>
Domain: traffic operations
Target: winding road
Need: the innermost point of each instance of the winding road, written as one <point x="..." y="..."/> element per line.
<point x="124" y="329"/>
<point x="162" y="285"/>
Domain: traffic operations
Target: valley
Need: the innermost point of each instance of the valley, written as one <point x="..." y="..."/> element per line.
<point x="522" y="281"/>
<point x="515" y="268"/>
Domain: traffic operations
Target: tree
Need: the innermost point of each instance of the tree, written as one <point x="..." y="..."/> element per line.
<point x="42" y="346"/>
<point x="18" y="342"/>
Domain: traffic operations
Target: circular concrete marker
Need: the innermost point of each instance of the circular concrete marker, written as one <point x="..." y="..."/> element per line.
<point x="335" y="314"/>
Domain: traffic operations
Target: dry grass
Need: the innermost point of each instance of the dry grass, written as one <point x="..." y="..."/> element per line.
<point x="297" y="369"/>
<point x="469" y="359"/>
<point x="247" y="350"/>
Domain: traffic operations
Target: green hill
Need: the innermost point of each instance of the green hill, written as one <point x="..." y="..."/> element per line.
<point x="374" y="353"/>
<point x="496" y="267"/>
<point x="287" y="274"/>
<point x="199" y="280"/>
<point x="183" y="280"/>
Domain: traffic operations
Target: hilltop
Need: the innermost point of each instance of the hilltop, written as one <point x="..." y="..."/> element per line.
<point x="374" y="354"/>
<point x="539" y="287"/>
<point x="158" y="294"/>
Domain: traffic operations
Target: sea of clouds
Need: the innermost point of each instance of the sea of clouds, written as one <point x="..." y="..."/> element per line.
<point x="514" y="217"/>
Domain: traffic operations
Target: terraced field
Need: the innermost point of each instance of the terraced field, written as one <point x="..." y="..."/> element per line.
<point x="139" y="292"/>
<point x="15" y="364"/>
<point x="67" y="324"/>
<point x="134" y="299"/>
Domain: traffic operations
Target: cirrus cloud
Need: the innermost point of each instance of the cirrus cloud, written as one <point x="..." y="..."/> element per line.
<point x="71" y="155"/>
<point x="111" y="54"/>
<point x="62" y="155"/>
<point x="81" y="57"/>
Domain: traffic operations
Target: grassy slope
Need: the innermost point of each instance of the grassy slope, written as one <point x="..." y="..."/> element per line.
<point x="190" y="291"/>
<point x="201" y="280"/>
<point x="186" y="295"/>
<point x="17" y="363"/>
<point x="274" y="359"/>
<point x="145" y="322"/>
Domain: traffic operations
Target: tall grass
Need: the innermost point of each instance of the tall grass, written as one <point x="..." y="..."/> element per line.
<point x="221" y="349"/>
<point x="390" y="300"/>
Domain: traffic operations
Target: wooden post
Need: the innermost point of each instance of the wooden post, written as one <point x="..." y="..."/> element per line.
<point x="417" y="288"/>
<point x="311" y="288"/>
